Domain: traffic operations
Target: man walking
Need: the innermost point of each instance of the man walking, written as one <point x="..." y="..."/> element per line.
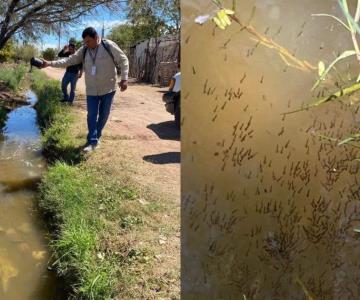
<point x="71" y="76"/>
<point x="101" y="59"/>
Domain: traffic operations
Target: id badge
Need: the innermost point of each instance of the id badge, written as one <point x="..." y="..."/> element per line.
<point x="93" y="70"/>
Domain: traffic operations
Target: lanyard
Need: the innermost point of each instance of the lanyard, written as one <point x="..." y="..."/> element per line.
<point x="94" y="57"/>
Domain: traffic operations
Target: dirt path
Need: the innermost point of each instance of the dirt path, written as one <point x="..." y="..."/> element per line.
<point x="139" y="117"/>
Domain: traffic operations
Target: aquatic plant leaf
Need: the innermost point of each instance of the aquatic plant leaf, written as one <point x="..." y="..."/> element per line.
<point x="226" y="20"/>
<point x="234" y="5"/>
<point x="354" y="26"/>
<point x="305" y="290"/>
<point x="349" y="139"/>
<point x="229" y="11"/>
<point x="334" y="17"/>
<point x="335" y="96"/>
<point x="218" y="23"/>
<point x="358" y="79"/>
<point x="217" y="2"/>
<point x="344" y="55"/>
<point x="345" y="141"/>
<point x="222" y="19"/>
<point x="321" y="68"/>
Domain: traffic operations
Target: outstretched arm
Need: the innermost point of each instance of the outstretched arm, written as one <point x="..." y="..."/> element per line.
<point x="74" y="59"/>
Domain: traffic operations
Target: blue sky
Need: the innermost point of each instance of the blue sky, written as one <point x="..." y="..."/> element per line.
<point x="109" y="18"/>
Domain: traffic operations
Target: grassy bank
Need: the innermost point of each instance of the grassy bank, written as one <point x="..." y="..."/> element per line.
<point x="12" y="76"/>
<point x="81" y="204"/>
<point x="55" y="120"/>
<point x="105" y="229"/>
<point x="11" y="79"/>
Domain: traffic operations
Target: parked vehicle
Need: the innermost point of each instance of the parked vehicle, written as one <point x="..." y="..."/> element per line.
<point x="172" y="98"/>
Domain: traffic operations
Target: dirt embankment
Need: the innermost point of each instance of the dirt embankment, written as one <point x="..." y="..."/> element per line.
<point x="10" y="99"/>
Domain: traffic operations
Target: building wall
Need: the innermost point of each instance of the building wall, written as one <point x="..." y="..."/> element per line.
<point x="152" y="60"/>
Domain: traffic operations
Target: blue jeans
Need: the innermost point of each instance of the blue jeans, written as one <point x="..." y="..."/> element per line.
<point x="71" y="78"/>
<point x="98" y="108"/>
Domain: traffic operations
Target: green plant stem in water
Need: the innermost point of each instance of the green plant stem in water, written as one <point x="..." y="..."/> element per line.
<point x="343" y="142"/>
<point x="343" y="92"/>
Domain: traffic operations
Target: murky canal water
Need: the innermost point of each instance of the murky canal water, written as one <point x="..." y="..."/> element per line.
<point x="23" y="245"/>
<point x="270" y="208"/>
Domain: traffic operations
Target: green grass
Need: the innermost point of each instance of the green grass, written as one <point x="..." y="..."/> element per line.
<point x="69" y="197"/>
<point x="12" y="77"/>
<point x="86" y="208"/>
<point x="55" y="120"/>
<point x="102" y="235"/>
<point x="49" y="96"/>
<point x="80" y="204"/>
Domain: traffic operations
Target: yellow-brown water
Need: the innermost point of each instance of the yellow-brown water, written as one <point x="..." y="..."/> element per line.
<point x="269" y="209"/>
<point x="23" y="245"/>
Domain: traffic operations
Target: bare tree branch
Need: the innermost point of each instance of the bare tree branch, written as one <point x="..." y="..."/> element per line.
<point x="27" y="17"/>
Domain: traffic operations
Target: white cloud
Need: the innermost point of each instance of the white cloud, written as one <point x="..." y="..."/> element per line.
<point x="43" y="46"/>
<point x="107" y="24"/>
<point x="98" y="25"/>
<point x="50" y="46"/>
<point x="51" y="41"/>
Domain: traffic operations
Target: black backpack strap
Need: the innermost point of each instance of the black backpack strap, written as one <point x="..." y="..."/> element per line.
<point x="84" y="53"/>
<point x="107" y="48"/>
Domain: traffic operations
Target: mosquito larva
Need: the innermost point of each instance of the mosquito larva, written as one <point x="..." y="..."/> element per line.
<point x="193" y="70"/>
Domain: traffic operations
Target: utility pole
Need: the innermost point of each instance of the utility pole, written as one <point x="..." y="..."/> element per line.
<point x="103" y="31"/>
<point x="59" y="34"/>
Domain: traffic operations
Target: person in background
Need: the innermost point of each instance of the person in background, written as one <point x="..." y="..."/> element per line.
<point x="71" y="76"/>
<point x="101" y="59"/>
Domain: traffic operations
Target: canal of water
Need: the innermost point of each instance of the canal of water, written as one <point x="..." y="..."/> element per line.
<point x="24" y="252"/>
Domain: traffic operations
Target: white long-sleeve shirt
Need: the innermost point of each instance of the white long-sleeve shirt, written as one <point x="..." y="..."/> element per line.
<point x="105" y="79"/>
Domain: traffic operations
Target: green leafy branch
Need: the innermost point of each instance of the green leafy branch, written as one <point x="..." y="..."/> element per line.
<point x="323" y="71"/>
<point x="351" y="26"/>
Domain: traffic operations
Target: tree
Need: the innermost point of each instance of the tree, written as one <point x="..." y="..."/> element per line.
<point x="123" y="35"/>
<point x="170" y="13"/>
<point x="49" y="54"/>
<point x="153" y="18"/>
<point x="76" y="42"/>
<point x="25" y="52"/>
<point x="8" y="52"/>
<point x="30" y="18"/>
